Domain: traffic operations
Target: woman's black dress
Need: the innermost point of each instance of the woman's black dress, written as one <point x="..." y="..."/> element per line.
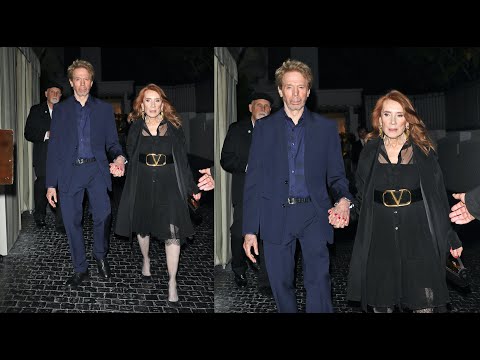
<point x="402" y="267"/>
<point x="159" y="209"/>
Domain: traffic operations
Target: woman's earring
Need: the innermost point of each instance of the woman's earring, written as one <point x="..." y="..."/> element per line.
<point x="407" y="132"/>
<point x="161" y="115"/>
<point x="380" y="131"/>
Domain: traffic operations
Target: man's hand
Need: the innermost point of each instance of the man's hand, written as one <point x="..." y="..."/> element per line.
<point x="52" y="196"/>
<point x="339" y="216"/>
<point x="117" y="168"/>
<point x="206" y="182"/>
<point x="459" y="212"/>
<point x="249" y="241"/>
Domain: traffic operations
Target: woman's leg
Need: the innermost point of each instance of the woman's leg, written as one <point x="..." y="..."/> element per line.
<point x="172" y="251"/>
<point x="144" y="242"/>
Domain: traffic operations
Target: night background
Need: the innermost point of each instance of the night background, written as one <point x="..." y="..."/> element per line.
<point x="161" y="65"/>
<point x="412" y="69"/>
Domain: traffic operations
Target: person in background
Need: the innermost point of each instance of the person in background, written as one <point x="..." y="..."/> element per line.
<point x="357" y="146"/>
<point x="234" y="159"/>
<point x="37" y="131"/>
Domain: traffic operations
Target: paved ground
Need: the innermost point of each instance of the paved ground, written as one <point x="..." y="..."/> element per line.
<point x="33" y="274"/>
<point x="230" y="299"/>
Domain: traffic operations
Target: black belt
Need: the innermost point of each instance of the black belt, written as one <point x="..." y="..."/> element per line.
<point x="296" y="200"/>
<point x="397" y="198"/>
<point x="155" y="159"/>
<point x="81" y="161"/>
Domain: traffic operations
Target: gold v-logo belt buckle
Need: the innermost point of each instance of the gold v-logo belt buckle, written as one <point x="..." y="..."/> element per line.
<point x="397" y="200"/>
<point x="155" y="159"/>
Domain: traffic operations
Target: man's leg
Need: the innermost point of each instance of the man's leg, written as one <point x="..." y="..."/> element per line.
<point x="280" y="263"/>
<point x="58" y="216"/>
<point x="101" y="213"/>
<point x="262" y="277"/>
<point x="72" y="218"/>
<point x="40" y="198"/>
<point x="316" y="263"/>
<point x="239" y="259"/>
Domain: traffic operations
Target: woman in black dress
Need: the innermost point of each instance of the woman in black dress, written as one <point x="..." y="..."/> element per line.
<point x="404" y="232"/>
<point x="159" y="181"/>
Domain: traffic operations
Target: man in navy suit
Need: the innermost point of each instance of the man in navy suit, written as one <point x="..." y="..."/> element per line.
<point x="294" y="155"/>
<point x="37" y="130"/>
<point x="83" y="127"/>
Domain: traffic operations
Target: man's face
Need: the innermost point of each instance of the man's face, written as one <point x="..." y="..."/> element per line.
<point x="53" y="95"/>
<point x="294" y="90"/>
<point x="259" y="108"/>
<point x="81" y="82"/>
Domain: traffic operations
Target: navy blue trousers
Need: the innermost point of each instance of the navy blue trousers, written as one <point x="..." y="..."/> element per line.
<point x="86" y="177"/>
<point x="303" y="224"/>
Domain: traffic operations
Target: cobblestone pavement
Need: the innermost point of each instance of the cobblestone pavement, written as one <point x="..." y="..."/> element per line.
<point x="33" y="274"/>
<point x="230" y="299"/>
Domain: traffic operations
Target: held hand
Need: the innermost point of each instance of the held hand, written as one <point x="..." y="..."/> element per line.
<point x="52" y="197"/>
<point x="115" y="170"/>
<point x="457" y="252"/>
<point x="339" y="216"/>
<point x="120" y="163"/>
<point x="249" y="241"/>
<point x="459" y="213"/>
<point x="206" y="182"/>
<point x="197" y="196"/>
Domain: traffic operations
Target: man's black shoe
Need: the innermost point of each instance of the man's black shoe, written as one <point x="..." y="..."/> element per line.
<point x="103" y="269"/>
<point x="60" y="229"/>
<point x="77" y="279"/>
<point x="40" y="223"/>
<point x="265" y="291"/>
<point x="240" y="280"/>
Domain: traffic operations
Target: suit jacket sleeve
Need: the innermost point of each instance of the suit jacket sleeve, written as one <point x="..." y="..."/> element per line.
<point x="336" y="178"/>
<point x="253" y="184"/>
<point x="34" y="128"/>
<point x="230" y="159"/>
<point x="472" y="200"/>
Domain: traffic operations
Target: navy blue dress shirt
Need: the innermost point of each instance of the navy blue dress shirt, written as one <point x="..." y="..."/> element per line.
<point x="295" y="135"/>
<point x="82" y="114"/>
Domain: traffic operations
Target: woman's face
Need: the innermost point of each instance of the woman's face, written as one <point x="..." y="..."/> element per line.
<point x="392" y="119"/>
<point x="152" y="103"/>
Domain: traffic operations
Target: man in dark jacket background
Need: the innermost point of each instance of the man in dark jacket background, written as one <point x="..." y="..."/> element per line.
<point x="37" y="131"/>
<point x="234" y="159"/>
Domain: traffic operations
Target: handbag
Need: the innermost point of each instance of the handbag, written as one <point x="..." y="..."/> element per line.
<point x="457" y="273"/>
<point x="193" y="206"/>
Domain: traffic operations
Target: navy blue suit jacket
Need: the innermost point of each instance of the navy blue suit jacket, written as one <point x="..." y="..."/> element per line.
<point x="63" y="146"/>
<point x="266" y="184"/>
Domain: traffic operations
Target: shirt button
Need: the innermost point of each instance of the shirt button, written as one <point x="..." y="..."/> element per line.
<point x="396" y="227"/>
<point x="283" y="205"/>
<point x="286" y="181"/>
<point x="293" y="171"/>
<point x="395" y="212"/>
